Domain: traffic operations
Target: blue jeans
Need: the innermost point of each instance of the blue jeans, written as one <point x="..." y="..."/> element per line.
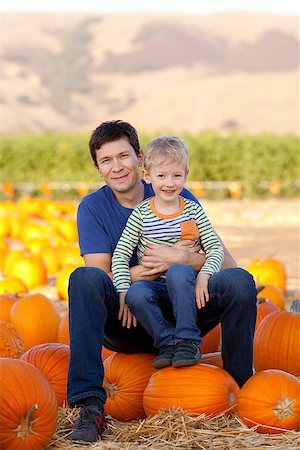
<point x="167" y="307"/>
<point x="93" y="322"/>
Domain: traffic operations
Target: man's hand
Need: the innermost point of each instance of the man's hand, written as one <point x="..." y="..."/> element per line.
<point x="201" y="289"/>
<point x="158" y="258"/>
<point x="125" y="314"/>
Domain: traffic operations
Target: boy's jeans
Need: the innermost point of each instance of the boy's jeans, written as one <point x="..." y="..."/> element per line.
<point x="93" y="311"/>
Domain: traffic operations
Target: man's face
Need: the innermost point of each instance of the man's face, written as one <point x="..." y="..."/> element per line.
<point x="118" y="165"/>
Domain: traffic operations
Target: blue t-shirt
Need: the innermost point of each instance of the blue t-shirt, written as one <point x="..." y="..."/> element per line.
<point x="101" y="220"/>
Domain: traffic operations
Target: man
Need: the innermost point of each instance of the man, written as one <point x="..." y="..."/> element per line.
<point x="97" y="318"/>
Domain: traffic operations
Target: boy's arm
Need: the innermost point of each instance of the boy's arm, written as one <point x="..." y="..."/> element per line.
<point x="123" y="252"/>
<point x="210" y="243"/>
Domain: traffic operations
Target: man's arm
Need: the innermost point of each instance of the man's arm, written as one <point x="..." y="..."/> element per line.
<point x="229" y="261"/>
<point x="100" y="260"/>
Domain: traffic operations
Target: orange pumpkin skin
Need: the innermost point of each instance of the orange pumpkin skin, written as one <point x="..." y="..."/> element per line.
<point x="213" y="358"/>
<point x="272" y="293"/>
<point x="63" y="336"/>
<point x="36" y="320"/>
<point x="268" y="271"/>
<point x="62" y="280"/>
<point x="31" y="269"/>
<point x="53" y="361"/>
<point x="28" y="407"/>
<point x="125" y="379"/>
<point x="6" y="302"/>
<point x="11" y="344"/>
<point x="12" y="285"/>
<point x="211" y="340"/>
<point x="270" y="398"/>
<point x="197" y="389"/>
<point x="277" y="342"/>
<point x="105" y="353"/>
<point x="264" y="307"/>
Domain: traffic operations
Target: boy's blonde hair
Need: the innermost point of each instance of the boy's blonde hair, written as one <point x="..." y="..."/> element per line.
<point x="166" y="149"/>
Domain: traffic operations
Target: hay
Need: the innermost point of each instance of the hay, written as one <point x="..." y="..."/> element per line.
<point x="174" y="429"/>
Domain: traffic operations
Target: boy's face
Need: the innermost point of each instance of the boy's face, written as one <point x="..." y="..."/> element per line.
<point x="167" y="179"/>
<point x="118" y="165"/>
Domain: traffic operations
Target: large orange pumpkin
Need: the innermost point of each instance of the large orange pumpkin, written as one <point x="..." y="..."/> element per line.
<point x="36" y="320"/>
<point x="53" y="361"/>
<point x="28" y="407"/>
<point x="125" y="378"/>
<point x="11" y="344"/>
<point x="63" y="330"/>
<point x="12" y="285"/>
<point x="264" y="307"/>
<point x="271" y="400"/>
<point x="50" y="256"/>
<point x="198" y="389"/>
<point x="62" y="280"/>
<point x="211" y="340"/>
<point x="214" y="358"/>
<point x="64" y="338"/>
<point x="268" y="271"/>
<point x="30" y="268"/>
<point x="277" y="341"/>
<point x="272" y="293"/>
<point x="6" y="302"/>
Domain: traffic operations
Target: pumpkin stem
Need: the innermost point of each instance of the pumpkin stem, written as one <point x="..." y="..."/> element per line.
<point x="283" y="408"/>
<point x="25" y="427"/>
<point x="295" y="306"/>
<point x="111" y="389"/>
<point x="260" y="288"/>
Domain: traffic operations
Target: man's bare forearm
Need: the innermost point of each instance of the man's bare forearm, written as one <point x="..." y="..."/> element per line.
<point x="195" y="260"/>
<point x="135" y="273"/>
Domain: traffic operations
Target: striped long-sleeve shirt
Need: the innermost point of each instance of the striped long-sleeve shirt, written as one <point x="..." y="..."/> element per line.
<point x="145" y="225"/>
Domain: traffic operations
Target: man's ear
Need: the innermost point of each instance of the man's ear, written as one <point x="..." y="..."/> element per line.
<point x="141" y="158"/>
<point x="146" y="176"/>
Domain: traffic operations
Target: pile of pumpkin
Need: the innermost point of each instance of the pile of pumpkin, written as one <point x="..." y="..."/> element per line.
<point x="34" y="356"/>
<point x="38" y="240"/>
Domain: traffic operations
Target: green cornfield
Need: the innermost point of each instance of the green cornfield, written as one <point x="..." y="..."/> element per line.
<point x="252" y="160"/>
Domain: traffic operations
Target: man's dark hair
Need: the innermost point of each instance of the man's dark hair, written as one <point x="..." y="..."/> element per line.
<point x="112" y="131"/>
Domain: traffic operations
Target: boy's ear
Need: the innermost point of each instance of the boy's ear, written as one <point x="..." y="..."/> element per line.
<point x="146" y="176"/>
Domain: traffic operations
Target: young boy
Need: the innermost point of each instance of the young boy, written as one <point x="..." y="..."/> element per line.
<point x="165" y="219"/>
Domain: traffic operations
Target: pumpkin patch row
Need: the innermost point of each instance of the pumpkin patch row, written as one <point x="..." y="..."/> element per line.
<point x="38" y="242"/>
<point x="32" y="387"/>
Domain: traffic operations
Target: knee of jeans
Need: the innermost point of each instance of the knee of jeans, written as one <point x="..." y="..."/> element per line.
<point x="86" y="276"/>
<point x="242" y="286"/>
<point x="179" y="274"/>
<point x="136" y="295"/>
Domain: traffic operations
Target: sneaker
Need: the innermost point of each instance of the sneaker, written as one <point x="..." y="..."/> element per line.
<point x="164" y="358"/>
<point x="187" y="353"/>
<point x="89" y="426"/>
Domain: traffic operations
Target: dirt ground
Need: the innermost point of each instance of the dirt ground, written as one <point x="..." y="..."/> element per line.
<point x="260" y="229"/>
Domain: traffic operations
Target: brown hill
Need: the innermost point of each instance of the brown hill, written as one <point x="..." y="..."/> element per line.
<point x="161" y="72"/>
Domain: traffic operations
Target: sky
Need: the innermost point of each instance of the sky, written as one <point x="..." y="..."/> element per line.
<point x="287" y="7"/>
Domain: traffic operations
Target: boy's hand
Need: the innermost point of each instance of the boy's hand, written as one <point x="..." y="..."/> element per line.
<point x="125" y="314"/>
<point x="201" y="289"/>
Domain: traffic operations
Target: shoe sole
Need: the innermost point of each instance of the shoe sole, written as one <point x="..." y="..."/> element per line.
<point x="162" y="363"/>
<point x="186" y="362"/>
